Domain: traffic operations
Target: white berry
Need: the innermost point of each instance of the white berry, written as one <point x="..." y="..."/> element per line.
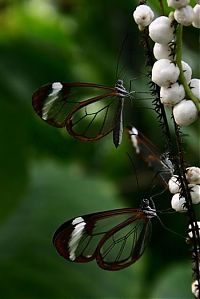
<point x="196" y="21"/>
<point x="185" y="113"/>
<point x="174" y="184"/>
<point x="195" y="288"/>
<point x="178" y="203"/>
<point x="193" y="175"/>
<point x="195" y="193"/>
<point x="195" y="87"/>
<point x="172" y="95"/>
<point x="161" y="51"/>
<point x="184" y="15"/>
<point x="165" y="72"/>
<point x="187" y="71"/>
<point x="177" y="3"/>
<point x="161" y="30"/>
<point x="143" y="15"/>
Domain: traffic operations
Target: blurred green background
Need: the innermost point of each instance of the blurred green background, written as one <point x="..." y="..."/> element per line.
<point x="47" y="177"/>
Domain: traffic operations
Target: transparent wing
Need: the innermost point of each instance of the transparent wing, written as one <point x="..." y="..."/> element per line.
<point x="91" y="120"/>
<point x="53" y="102"/>
<point x="125" y="245"/>
<point x="115" y="238"/>
<point x="160" y="164"/>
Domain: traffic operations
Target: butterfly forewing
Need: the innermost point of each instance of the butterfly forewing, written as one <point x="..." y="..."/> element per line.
<point x="54" y="102"/>
<point x="51" y="103"/>
<point x="160" y="164"/>
<point x="144" y="147"/>
<point x="115" y="238"/>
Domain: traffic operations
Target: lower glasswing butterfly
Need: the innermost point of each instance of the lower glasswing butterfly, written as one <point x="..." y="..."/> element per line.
<point x="88" y="111"/>
<point x="115" y="238"/>
<point x="159" y="163"/>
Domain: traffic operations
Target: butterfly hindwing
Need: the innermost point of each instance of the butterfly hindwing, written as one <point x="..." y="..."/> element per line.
<point x="91" y="120"/>
<point x="124" y="245"/>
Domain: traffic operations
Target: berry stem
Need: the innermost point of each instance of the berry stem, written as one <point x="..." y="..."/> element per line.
<point x="182" y="80"/>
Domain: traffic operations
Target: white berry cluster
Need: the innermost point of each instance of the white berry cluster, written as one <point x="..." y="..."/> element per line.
<point x="184" y="14"/>
<point x="165" y="71"/>
<point x="193" y="177"/>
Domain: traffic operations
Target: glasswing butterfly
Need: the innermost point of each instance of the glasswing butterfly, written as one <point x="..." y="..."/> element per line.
<point x="88" y="111"/>
<point x="115" y="238"/>
<point x="159" y="163"/>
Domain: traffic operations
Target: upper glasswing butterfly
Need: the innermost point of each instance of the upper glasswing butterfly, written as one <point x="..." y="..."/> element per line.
<point x="115" y="238"/>
<point x="159" y="163"/>
<point x="88" y="111"/>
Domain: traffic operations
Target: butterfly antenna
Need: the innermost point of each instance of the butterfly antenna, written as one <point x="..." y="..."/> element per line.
<point x="167" y="211"/>
<point x="168" y="229"/>
<point x="158" y="194"/>
<point x="119" y="55"/>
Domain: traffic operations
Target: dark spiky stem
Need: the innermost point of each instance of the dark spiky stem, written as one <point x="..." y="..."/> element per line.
<point x="185" y="192"/>
<point x="182" y="166"/>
